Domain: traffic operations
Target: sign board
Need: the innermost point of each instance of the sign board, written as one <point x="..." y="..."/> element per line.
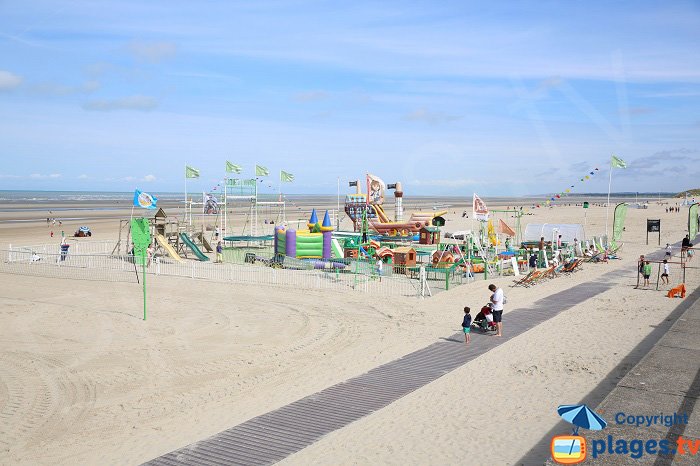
<point x="585" y="205"/>
<point x="654" y="226"/>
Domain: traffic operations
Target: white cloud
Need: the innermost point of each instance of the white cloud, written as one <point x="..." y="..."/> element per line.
<point x="129" y="178"/>
<point x="137" y="102"/>
<point x="9" y="81"/>
<point x="83" y="177"/>
<point x="10" y="176"/>
<point x="57" y="89"/>
<point x="153" y="52"/>
<point x="148" y="178"/>
<point x="430" y="117"/>
<point x="39" y="176"/>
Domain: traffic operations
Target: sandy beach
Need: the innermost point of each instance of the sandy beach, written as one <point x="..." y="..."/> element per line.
<point x="83" y="380"/>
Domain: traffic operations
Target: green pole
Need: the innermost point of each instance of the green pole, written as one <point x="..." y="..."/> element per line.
<point x="144" y="288"/>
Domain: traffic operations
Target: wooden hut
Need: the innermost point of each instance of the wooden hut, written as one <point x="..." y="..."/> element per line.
<point x="442" y="259"/>
<point x="405" y="256"/>
<point x="429" y="235"/>
<point x="159" y="222"/>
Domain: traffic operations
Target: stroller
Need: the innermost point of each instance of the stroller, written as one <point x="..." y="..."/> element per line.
<point x="484" y="320"/>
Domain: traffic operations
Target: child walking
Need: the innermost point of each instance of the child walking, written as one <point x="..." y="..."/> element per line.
<point x="467" y="325"/>
<point x="646" y="271"/>
<point x="664" y="276"/>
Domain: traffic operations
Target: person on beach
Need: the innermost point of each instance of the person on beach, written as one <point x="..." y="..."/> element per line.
<point x="542" y="253"/>
<point x="664" y="276"/>
<point x="467" y="324"/>
<point x="64" y="249"/>
<point x="690" y="251"/>
<point x="532" y="261"/>
<point x="497" y="308"/>
<point x="669" y="250"/>
<point x="149" y="254"/>
<point x="646" y="271"/>
<point x="216" y="233"/>
<point x="380" y="267"/>
<point x="219" y="252"/>
<point x="559" y="242"/>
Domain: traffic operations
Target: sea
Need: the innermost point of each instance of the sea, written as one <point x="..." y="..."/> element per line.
<point x="48" y="202"/>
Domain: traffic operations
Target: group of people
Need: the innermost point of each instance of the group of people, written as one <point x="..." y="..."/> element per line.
<point x="673" y="209"/>
<point x="645" y="268"/>
<point x="496" y="302"/>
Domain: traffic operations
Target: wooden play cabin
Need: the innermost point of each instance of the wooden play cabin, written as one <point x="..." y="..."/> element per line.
<point x="159" y="222"/>
<point x="442" y="259"/>
<point x="385" y="254"/>
<point x="405" y="256"/>
<point x="429" y="235"/>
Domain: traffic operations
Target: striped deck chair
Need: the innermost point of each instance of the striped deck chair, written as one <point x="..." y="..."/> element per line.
<point x="549" y="273"/>
<point x="523" y="280"/>
<point x="536" y="278"/>
<point x="571" y="266"/>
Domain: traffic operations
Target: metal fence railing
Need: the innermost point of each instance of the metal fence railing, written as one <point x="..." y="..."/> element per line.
<point x="77" y="246"/>
<point x="121" y="268"/>
<point x="73" y="266"/>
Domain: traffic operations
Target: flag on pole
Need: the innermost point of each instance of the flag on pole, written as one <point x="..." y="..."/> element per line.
<point x="261" y="171"/>
<point x="479" y="209"/>
<point x="286" y="177"/>
<point x="191" y="172"/>
<point x="233" y="168"/>
<point x="617" y="162"/>
<point x="144" y="200"/>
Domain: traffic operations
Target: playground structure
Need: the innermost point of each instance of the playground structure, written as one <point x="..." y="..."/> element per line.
<point x="316" y="243"/>
<point x="243" y="194"/>
<point x="361" y="207"/>
<point x="172" y="238"/>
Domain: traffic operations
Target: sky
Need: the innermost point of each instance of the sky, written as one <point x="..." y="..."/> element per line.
<point x="449" y="98"/>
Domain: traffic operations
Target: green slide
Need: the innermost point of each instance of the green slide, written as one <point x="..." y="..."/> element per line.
<point x="186" y="239"/>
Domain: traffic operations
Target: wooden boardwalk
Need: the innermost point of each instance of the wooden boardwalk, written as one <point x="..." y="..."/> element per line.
<point x="269" y="438"/>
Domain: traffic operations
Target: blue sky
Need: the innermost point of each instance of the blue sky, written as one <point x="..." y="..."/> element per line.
<point x="447" y="97"/>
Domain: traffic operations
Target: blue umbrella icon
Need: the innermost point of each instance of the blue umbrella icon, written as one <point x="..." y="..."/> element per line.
<point x="581" y="416"/>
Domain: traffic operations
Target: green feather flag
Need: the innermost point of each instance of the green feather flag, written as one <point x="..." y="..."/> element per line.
<point x="261" y="171"/>
<point x="233" y="168"/>
<point x="286" y="177"/>
<point x="191" y="172"/>
<point x="617" y="162"/>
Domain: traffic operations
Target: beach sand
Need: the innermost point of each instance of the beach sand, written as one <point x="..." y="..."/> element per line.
<point x="83" y="380"/>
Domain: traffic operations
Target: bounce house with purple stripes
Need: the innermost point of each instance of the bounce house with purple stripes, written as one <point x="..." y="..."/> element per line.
<point x="302" y="244"/>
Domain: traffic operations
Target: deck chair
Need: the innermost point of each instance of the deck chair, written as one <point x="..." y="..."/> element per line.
<point x="524" y="280"/>
<point x="569" y="268"/>
<point x="536" y="278"/>
<point x="549" y="273"/>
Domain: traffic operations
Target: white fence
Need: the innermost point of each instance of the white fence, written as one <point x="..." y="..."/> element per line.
<point x="121" y="268"/>
<point x="77" y="246"/>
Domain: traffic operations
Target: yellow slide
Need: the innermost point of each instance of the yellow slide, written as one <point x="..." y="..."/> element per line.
<point x="381" y="215"/>
<point x="169" y="249"/>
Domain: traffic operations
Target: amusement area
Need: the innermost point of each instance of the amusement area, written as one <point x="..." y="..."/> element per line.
<point x="314" y="233"/>
<point x="236" y="233"/>
<point x="216" y="264"/>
